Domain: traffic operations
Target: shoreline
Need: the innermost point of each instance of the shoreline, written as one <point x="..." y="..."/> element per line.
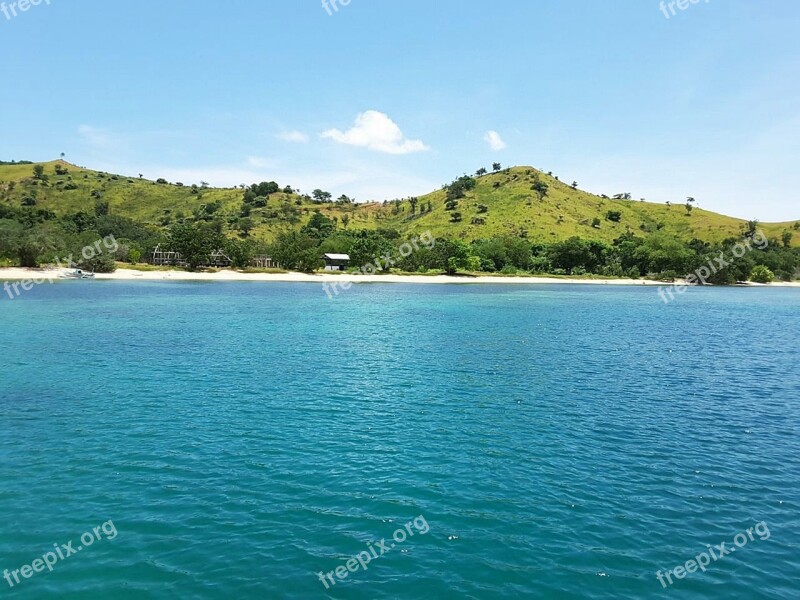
<point x="22" y="274"/>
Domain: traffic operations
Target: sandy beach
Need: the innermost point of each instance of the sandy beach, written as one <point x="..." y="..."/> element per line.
<point x="19" y="274"/>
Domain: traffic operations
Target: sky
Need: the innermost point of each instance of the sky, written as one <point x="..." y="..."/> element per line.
<point x="382" y="99"/>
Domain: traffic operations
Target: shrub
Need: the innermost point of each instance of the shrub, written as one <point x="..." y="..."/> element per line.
<point x="633" y="273"/>
<point x="614" y="215"/>
<point x="762" y="274"/>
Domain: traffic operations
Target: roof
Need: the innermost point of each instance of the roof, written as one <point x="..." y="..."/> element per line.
<point x="337" y="257"/>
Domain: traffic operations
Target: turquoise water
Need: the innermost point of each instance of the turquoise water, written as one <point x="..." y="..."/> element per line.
<point x="558" y="441"/>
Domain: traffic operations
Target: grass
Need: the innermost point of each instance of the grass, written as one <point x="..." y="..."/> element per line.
<point x="513" y="208"/>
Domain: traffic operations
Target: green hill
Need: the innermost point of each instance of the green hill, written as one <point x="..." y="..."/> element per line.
<point x="500" y="204"/>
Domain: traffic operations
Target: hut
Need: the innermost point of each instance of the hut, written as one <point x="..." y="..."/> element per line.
<point x="167" y="258"/>
<point x="336" y="262"/>
<point x="262" y="261"/>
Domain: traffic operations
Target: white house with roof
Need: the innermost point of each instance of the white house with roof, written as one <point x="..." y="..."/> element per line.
<point x="336" y="262"/>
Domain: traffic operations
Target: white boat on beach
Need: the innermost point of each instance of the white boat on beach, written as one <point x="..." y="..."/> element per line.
<point x="76" y="274"/>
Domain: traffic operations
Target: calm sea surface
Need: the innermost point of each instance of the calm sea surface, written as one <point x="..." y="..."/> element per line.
<point x="550" y="441"/>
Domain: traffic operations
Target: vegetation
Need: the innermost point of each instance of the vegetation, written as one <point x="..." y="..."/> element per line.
<point x="517" y="220"/>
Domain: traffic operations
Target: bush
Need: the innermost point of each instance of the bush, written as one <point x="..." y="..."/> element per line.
<point x="633" y="273"/>
<point x="762" y="274"/>
<point x="614" y="216"/>
<point x="668" y="276"/>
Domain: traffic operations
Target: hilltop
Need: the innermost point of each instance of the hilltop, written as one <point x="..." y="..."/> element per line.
<point x="502" y="203"/>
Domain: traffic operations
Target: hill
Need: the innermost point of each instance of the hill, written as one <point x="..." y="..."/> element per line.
<point x="499" y="204"/>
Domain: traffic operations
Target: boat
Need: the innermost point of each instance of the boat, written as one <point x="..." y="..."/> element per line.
<point x="77" y="274"/>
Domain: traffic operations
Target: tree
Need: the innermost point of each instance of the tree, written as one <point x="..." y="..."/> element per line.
<point x="481" y="172"/>
<point x="689" y="209"/>
<point x="345" y="220"/>
<point x="38" y="172"/>
<point x="246" y="225"/>
<point x="750" y="229"/>
<point x="574" y="253"/>
<point x="321" y="196"/>
<point x="62" y="156"/>
<point x="574" y="185"/>
<point x="296" y="252"/>
<point x="368" y="248"/>
<point x="786" y="238"/>
<point x="540" y="187"/>
<point x="661" y="252"/>
<point x="451" y="255"/>
<point x="459" y="188"/>
<point x="413" y="202"/>
<point x="496" y="167"/>
<point x="319" y="227"/>
<point x="102" y="262"/>
<point x="195" y="242"/>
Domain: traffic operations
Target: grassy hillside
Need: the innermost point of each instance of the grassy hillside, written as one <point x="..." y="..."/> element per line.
<point x="509" y="207"/>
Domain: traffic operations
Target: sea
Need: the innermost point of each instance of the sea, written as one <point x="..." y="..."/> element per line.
<point x="399" y="441"/>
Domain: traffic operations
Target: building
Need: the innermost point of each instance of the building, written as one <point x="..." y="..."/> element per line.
<point x="336" y="262"/>
<point x="262" y="261"/>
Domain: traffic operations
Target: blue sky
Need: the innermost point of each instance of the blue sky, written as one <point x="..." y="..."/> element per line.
<point x="389" y="98"/>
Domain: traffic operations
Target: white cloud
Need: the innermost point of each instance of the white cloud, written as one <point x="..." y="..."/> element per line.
<point x="296" y="137"/>
<point x="376" y="131"/>
<point x="494" y="140"/>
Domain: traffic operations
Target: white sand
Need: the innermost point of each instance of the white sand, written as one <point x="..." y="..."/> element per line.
<point x="17" y="274"/>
